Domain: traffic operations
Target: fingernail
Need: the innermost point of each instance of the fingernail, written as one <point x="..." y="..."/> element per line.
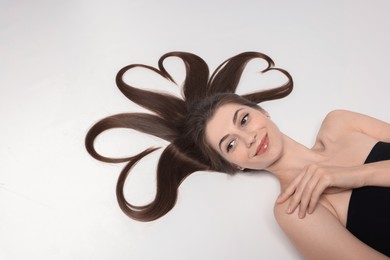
<point x="289" y="210"/>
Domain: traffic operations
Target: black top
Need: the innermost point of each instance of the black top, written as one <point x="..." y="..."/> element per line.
<point x="369" y="208"/>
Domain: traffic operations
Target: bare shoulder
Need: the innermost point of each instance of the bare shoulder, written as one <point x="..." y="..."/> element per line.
<point x="336" y="123"/>
<point x="289" y="222"/>
<point x="314" y="235"/>
<point x="308" y="234"/>
<point x="340" y="122"/>
<point x="338" y="118"/>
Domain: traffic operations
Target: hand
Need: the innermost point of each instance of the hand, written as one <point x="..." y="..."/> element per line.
<point x="306" y="189"/>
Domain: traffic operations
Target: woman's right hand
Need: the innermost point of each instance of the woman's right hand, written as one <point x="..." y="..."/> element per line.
<point x="306" y="189"/>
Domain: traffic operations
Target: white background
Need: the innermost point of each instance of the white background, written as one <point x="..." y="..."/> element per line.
<point x="58" y="60"/>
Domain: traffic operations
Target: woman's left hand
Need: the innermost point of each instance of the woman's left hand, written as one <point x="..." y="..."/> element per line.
<point x="306" y="189"/>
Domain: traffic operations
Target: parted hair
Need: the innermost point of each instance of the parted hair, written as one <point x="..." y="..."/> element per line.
<point x="181" y="122"/>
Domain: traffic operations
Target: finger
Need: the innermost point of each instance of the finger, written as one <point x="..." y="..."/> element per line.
<point x="315" y="197"/>
<point x="290" y="190"/>
<point x="307" y="195"/>
<point x="287" y="192"/>
<point x="297" y="196"/>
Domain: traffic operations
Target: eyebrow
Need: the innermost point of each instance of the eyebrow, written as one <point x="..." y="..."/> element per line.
<point x="235" y="115"/>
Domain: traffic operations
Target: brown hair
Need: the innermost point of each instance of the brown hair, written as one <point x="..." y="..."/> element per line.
<point x="181" y="121"/>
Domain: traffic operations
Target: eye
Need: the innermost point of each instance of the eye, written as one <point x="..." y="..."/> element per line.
<point x="244" y="119"/>
<point x="230" y="145"/>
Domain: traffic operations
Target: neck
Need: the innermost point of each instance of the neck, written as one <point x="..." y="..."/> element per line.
<point x="295" y="157"/>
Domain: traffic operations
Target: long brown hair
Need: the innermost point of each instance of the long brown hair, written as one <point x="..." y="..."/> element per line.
<point x="181" y="121"/>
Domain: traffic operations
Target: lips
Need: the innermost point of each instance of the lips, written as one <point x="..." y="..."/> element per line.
<point x="262" y="146"/>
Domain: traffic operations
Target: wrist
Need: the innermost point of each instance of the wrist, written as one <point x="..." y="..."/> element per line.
<point x="372" y="174"/>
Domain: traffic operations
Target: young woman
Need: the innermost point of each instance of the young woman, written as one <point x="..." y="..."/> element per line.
<point x="341" y="182"/>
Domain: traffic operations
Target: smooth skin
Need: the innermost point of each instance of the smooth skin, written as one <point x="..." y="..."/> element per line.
<point x="317" y="181"/>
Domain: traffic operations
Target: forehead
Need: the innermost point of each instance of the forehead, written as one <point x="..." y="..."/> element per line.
<point x="217" y="126"/>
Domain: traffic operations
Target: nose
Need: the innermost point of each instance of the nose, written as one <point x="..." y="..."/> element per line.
<point x="250" y="139"/>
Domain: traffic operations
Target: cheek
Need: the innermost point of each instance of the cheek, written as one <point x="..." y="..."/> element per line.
<point x="238" y="156"/>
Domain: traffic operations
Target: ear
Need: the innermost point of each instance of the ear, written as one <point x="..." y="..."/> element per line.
<point x="240" y="168"/>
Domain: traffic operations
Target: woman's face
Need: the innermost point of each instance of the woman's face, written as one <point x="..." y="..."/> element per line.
<point x="244" y="136"/>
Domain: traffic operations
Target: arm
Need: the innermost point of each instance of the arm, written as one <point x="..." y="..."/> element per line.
<point x="305" y="190"/>
<point x="314" y="180"/>
<point x="321" y="236"/>
<point x="348" y="121"/>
